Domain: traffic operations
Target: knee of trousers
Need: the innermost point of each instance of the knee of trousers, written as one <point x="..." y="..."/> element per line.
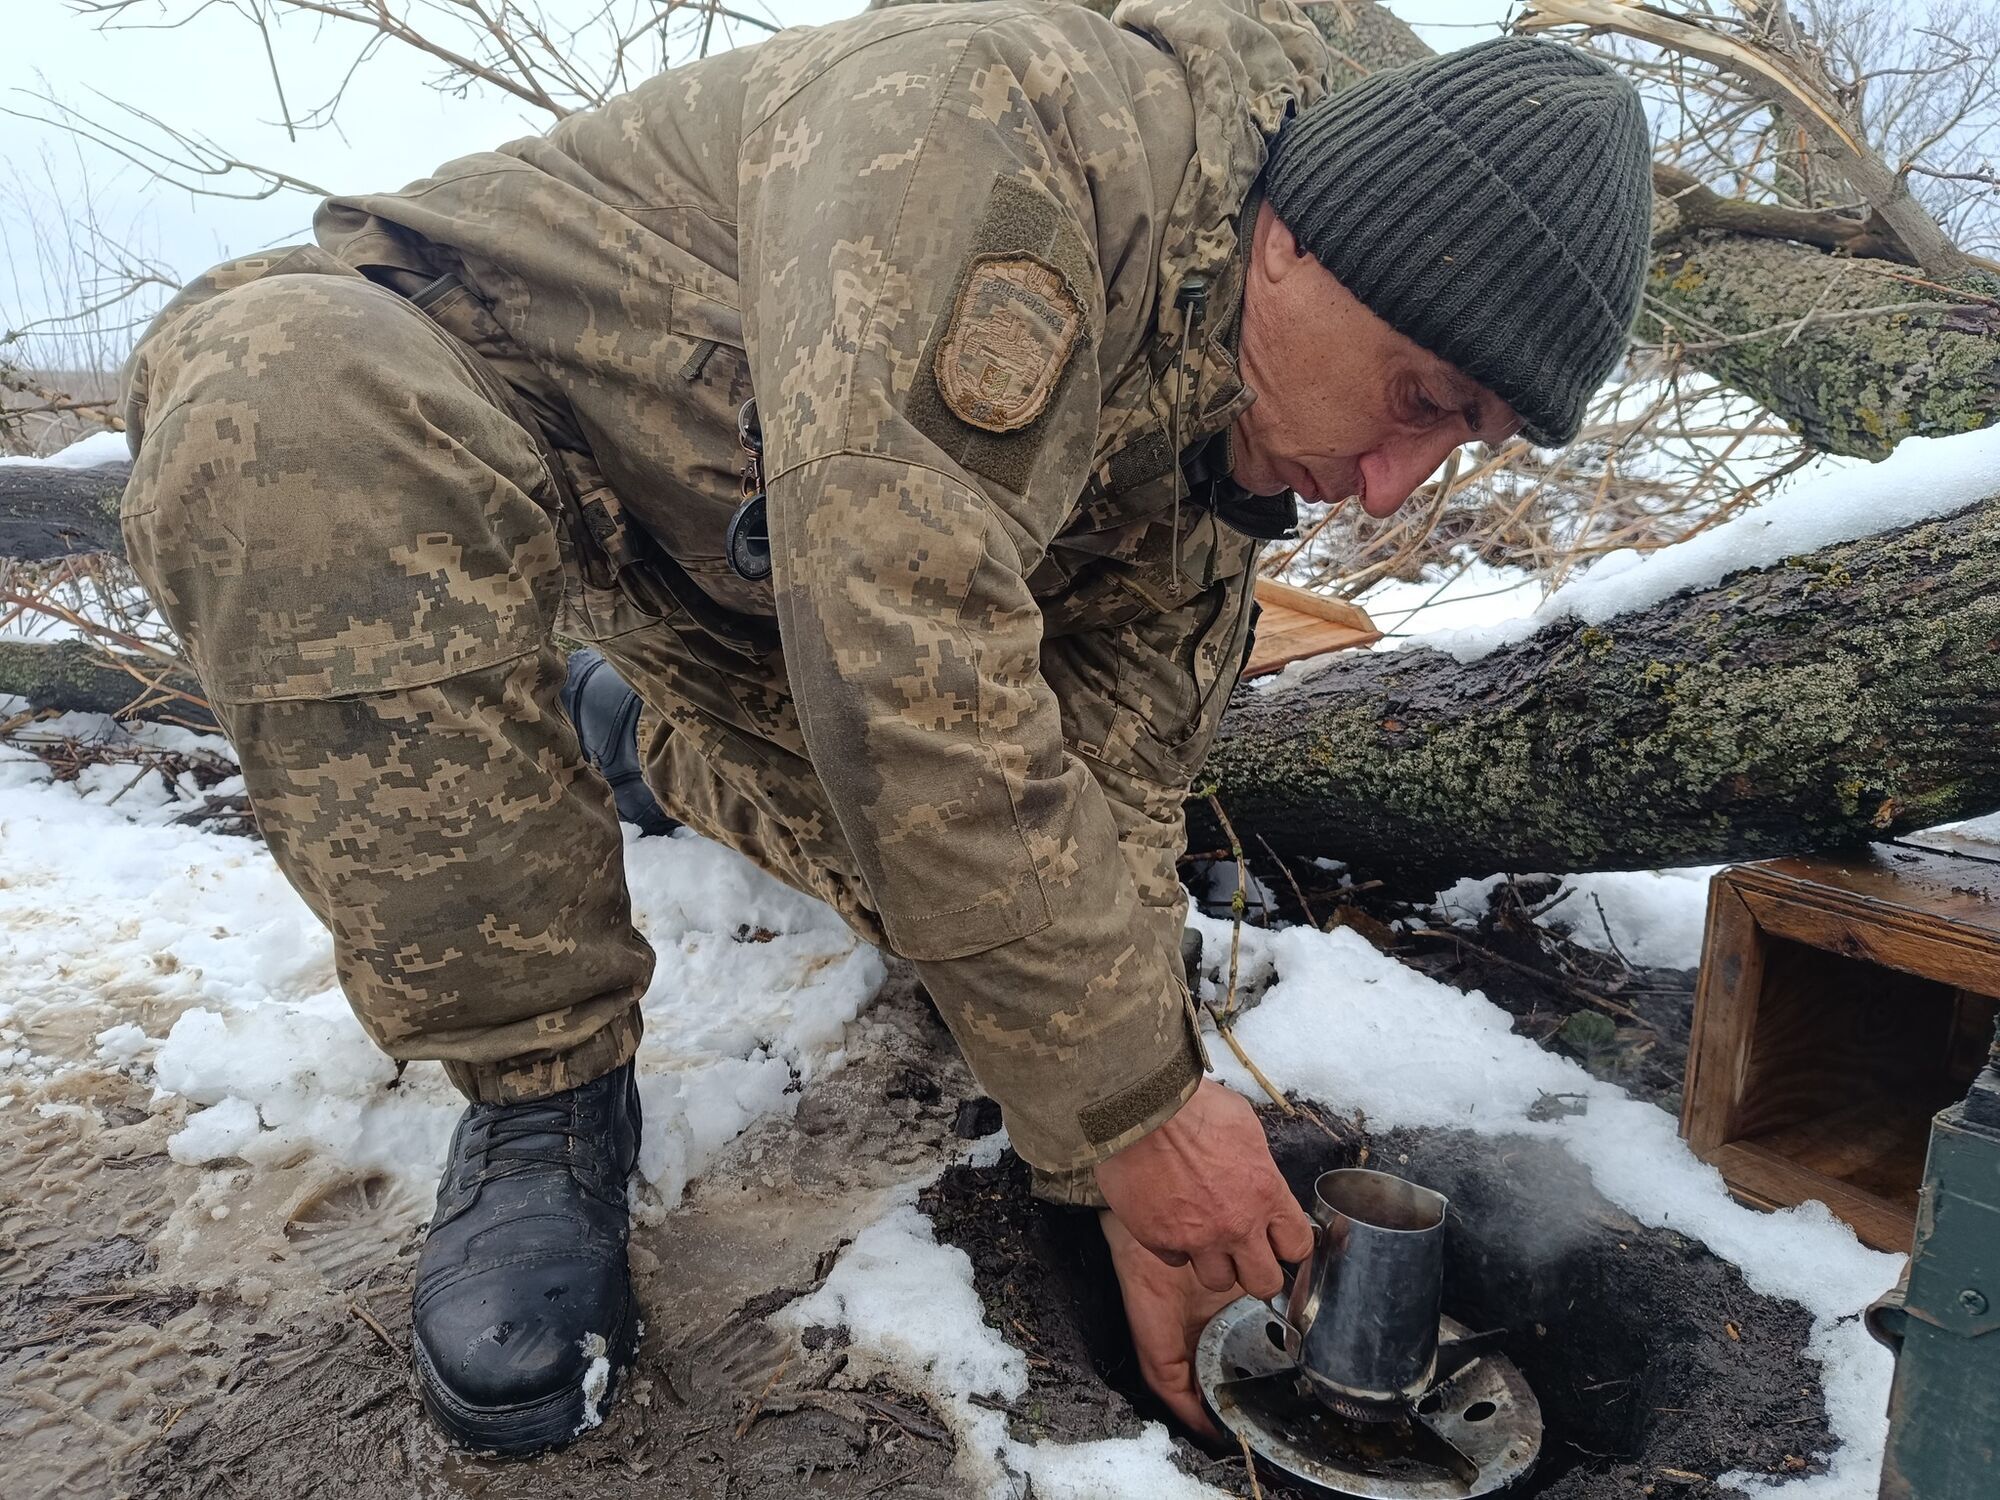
<point x="330" y="497"/>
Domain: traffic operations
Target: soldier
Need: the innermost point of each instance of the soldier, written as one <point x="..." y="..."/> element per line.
<point x="899" y="406"/>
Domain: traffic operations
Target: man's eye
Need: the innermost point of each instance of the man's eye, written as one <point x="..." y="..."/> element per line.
<point x="1426" y="411"/>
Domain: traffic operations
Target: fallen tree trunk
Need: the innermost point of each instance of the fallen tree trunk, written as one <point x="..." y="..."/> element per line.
<point x="47" y="512"/>
<point x="1838" y="697"/>
<point x="78" y="677"/>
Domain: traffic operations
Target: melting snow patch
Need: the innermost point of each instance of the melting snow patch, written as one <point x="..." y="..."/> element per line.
<point x="85" y="453"/>
<point x="1655" y="918"/>
<point x="909" y="1305"/>
<point x="596" y="1381"/>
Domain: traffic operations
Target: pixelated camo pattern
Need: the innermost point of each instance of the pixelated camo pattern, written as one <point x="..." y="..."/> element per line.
<point x="964" y="710"/>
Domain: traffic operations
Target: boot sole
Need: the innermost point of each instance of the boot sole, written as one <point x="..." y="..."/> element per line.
<point x="531" y="1427"/>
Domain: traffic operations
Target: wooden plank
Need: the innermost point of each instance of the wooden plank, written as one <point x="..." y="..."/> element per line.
<point x="1764" y="1179"/>
<point x="1274" y="595"/>
<point x="1874" y="1145"/>
<point x="1296" y="625"/>
<point x="1731" y="975"/>
<point x="1888" y="879"/>
<point x="1911" y="942"/>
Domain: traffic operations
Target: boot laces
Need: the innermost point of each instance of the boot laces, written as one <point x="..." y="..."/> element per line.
<point x="500" y="1147"/>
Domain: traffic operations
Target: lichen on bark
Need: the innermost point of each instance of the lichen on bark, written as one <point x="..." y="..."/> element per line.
<point x="1855" y="385"/>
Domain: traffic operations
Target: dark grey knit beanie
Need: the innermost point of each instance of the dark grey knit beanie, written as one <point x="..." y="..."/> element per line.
<point x="1493" y="204"/>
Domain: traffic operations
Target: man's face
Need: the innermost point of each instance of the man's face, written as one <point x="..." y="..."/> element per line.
<point x="1345" y="404"/>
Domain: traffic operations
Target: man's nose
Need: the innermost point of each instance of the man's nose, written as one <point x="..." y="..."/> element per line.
<point x="1392" y="472"/>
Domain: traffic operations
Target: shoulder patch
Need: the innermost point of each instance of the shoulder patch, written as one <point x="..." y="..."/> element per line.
<point x="1012" y="330"/>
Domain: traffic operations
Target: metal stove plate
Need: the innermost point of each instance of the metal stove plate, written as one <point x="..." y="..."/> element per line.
<point x="1307" y="1441"/>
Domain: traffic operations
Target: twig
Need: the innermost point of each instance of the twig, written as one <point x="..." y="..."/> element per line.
<point x="1238" y="903"/>
<point x="757" y="1406"/>
<point x="1605" y="922"/>
<point x="1228" y="1033"/>
<point x="1250" y="1467"/>
<point x="375" y="1327"/>
<point x="1589" y="997"/>
<point x="1291" y="879"/>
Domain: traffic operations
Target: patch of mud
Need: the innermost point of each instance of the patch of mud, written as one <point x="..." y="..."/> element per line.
<point x="1648" y="1353"/>
<point x="247" y="1333"/>
<point x="76" y="1177"/>
<point x="347" y="1225"/>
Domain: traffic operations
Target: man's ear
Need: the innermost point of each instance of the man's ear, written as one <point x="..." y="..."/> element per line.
<point x="1277" y="251"/>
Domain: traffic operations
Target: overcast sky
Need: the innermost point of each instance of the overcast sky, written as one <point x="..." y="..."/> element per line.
<point x="210" y="78"/>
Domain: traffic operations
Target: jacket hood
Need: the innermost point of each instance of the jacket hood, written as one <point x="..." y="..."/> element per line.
<point x="1250" y="64"/>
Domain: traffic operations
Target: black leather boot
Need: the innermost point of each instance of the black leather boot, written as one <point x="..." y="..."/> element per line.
<point x="523" y="1316"/>
<point x="605" y="712"/>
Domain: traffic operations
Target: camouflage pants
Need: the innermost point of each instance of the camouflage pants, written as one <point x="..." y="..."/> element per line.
<point x="342" y="512"/>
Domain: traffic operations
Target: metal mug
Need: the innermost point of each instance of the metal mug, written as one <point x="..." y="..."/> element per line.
<point x="1360" y="1317"/>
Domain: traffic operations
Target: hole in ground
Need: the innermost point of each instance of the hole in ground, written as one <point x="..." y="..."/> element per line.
<point x="1623" y="1332"/>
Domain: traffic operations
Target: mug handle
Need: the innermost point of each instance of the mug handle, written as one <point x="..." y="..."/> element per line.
<point x="1294" y="1334"/>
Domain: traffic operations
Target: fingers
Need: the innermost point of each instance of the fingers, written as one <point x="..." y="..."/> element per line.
<point x="1214" y="1270"/>
<point x="1291" y="1232"/>
<point x="1257" y="1268"/>
<point x="1186" y="1403"/>
<point x="1172" y="1380"/>
<point x="1172" y="1258"/>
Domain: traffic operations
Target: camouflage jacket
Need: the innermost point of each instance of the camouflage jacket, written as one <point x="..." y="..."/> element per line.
<point x="958" y="252"/>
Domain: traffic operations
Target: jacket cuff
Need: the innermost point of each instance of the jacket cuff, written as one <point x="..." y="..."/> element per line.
<point x="1125" y="1088"/>
<point x="1073" y="1189"/>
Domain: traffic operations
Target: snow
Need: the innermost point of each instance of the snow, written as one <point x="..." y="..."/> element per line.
<point x="85" y="453"/>
<point x="909" y="1305"/>
<point x="1655" y="918"/>
<point x="1465" y="596"/>
<point x="596" y="1381"/>
<point x="1924" y="478"/>
<point x="122" y="1043"/>
<point x="150" y="931"/>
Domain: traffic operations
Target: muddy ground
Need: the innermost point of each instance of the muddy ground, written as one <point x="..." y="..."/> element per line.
<point x="148" y="1348"/>
<point x="266" y="1355"/>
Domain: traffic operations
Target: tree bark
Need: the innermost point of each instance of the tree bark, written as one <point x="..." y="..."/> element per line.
<point x="47" y="513"/>
<point x="74" y="676"/>
<point x="1838" y="697"/>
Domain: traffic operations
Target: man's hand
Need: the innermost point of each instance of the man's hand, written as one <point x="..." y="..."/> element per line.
<point x="1167" y="1307"/>
<point x="1202" y="1189"/>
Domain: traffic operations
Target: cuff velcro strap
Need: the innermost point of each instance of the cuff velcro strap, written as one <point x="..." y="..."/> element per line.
<point x="1142" y="1104"/>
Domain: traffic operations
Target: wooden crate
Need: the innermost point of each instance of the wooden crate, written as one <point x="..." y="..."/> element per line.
<point x="1843" y="1001"/>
